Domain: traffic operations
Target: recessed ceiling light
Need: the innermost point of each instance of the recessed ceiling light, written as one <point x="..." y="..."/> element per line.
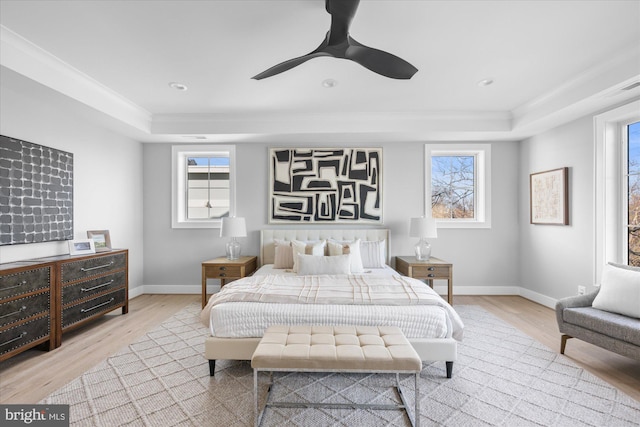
<point x="329" y="83"/>
<point x="485" y="82"/>
<point x="178" y="86"/>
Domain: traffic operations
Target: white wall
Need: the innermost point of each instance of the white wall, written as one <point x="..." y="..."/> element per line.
<point x="107" y="169"/>
<point x="556" y="259"/>
<point x="485" y="260"/>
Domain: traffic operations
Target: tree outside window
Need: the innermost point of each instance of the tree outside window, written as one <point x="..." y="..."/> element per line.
<point x="633" y="197"/>
<point x="458" y="185"/>
<point x="453" y="186"/>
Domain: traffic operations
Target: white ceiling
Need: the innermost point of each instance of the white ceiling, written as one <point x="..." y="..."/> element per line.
<point x="551" y="61"/>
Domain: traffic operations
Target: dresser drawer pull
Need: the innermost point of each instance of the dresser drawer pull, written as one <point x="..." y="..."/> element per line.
<point x="222" y="275"/>
<point x="98" y="267"/>
<point x="84" y="310"/>
<point x="97" y="286"/>
<point x="23" y="308"/>
<point x="431" y="275"/>
<point x="24" y="282"/>
<point x="15" y="339"/>
<point x="431" y="268"/>
<point x="223" y="268"/>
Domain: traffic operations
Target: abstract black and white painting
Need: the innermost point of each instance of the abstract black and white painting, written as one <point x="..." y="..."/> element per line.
<point x="325" y="185"/>
<point x="36" y="193"/>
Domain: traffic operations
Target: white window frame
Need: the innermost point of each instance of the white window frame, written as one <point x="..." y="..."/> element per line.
<point x="482" y="196"/>
<point x="179" y="155"/>
<point x="610" y="219"/>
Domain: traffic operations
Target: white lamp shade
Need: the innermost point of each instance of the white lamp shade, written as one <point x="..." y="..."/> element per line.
<point x="233" y="227"/>
<point x="423" y="228"/>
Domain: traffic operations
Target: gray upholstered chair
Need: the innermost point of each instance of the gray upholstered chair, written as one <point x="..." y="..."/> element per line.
<point x="615" y="332"/>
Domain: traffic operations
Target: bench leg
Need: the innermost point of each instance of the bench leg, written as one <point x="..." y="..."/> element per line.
<point x="449" y="369"/>
<point x="563" y="342"/>
<point x="416" y="415"/>
<point x="212" y="368"/>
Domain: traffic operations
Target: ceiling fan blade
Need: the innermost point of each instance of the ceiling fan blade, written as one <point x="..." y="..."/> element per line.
<point x="379" y="61"/>
<point x="287" y="65"/>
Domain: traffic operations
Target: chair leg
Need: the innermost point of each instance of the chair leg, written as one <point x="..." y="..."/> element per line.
<point x="563" y="342"/>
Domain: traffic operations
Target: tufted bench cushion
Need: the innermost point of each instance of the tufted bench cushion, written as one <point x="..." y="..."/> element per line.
<point x="336" y="348"/>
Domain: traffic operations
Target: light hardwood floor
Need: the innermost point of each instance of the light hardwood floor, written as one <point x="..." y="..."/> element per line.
<point x="34" y="374"/>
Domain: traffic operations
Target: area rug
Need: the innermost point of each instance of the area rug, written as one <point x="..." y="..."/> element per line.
<point x="502" y="377"/>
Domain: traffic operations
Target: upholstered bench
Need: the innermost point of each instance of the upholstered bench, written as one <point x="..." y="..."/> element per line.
<point x="364" y="349"/>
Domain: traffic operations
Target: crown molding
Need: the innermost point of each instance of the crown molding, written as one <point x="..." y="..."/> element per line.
<point x="26" y="58"/>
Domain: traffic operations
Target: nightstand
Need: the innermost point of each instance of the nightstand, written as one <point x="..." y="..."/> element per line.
<point x="430" y="270"/>
<point x="225" y="269"/>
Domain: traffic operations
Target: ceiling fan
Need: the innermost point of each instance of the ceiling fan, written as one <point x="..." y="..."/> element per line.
<point x="339" y="44"/>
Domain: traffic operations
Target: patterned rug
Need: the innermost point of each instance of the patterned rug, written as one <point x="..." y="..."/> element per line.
<point x="502" y="377"/>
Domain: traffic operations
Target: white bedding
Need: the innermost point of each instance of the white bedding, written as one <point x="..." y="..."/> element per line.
<point x="426" y="315"/>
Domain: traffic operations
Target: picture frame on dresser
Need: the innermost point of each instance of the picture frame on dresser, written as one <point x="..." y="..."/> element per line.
<point x="81" y="247"/>
<point x="101" y="240"/>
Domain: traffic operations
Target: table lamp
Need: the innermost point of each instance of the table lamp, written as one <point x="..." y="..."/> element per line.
<point x="233" y="227"/>
<point x="423" y="228"/>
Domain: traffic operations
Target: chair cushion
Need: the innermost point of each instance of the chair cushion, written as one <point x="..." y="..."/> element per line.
<point x="611" y="324"/>
<point x="619" y="290"/>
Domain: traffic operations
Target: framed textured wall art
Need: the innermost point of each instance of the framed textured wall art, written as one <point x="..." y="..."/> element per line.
<point x="36" y="193"/>
<point x="549" y="197"/>
<point x="325" y="185"/>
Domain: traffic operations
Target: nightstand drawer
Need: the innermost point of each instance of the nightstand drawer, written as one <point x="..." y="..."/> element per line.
<point x="430" y="272"/>
<point x="222" y="271"/>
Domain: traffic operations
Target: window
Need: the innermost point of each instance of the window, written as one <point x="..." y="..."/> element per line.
<point x="633" y="194"/>
<point x="458" y="185"/>
<point x="617" y="187"/>
<point x="203" y="185"/>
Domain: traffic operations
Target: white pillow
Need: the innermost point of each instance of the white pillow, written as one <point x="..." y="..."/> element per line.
<point x="312" y="265"/>
<point x="283" y="254"/>
<point x="619" y="291"/>
<point x="373" y="254"/>
<point x="353" y="248"/>
<point x="306" y="248"/>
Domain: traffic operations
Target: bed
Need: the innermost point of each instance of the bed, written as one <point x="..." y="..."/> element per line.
<point x="238" y="314"/>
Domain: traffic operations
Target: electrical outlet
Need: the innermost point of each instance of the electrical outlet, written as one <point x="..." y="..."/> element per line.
<point x="581" y="290"/>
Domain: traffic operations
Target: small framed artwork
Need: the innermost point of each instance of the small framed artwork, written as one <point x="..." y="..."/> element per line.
<point x="101" y="239"/>
<point x="549" y="197"/>
<point x="81" y="247"/>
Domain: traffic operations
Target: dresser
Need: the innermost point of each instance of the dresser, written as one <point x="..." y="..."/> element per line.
<point x="27" y="295"/>
<point x="90" y="286"/>
<point x="43" y="298"/>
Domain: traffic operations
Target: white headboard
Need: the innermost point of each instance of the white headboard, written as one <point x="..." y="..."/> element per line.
<point x="267" y="247"/>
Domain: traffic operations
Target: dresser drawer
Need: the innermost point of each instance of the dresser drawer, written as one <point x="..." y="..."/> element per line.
<point x="23" y="334"/>
<point x="96" y="306"/>
<point x="222" y="271"/>
<point x="91" y="267"/>
<point x="430" y="272"/>
<point x="23" y="308"/>
<point x="16" y="284"/>
<point x="99" y="285"/>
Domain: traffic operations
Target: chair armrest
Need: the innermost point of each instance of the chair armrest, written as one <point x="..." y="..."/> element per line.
<point x="575" y="301"/>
